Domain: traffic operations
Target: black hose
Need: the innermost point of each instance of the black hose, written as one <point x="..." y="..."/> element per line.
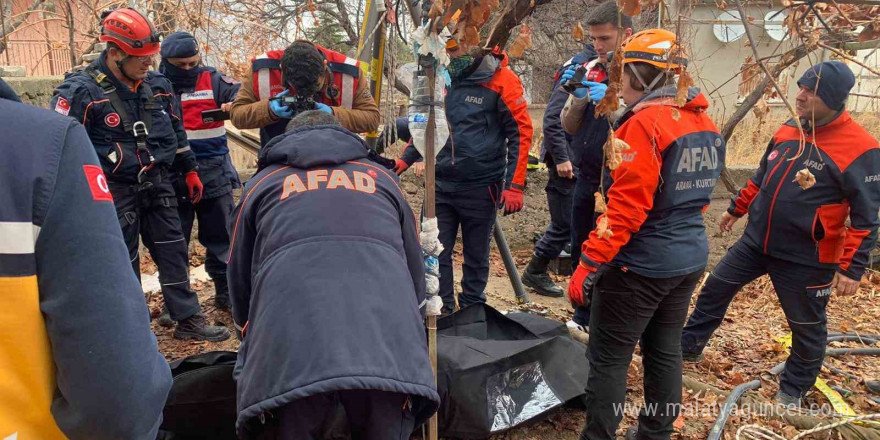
<point x="853" y="334"/>
<point x="854" y="338"/>
<point x="718" y="428"/>
<point x="727" y="408"/>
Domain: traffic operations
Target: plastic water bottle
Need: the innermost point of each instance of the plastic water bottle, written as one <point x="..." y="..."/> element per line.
<point x="419" y="109"/>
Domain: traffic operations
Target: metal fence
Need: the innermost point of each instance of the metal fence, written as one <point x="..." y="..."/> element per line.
<point x="39" y="57"/>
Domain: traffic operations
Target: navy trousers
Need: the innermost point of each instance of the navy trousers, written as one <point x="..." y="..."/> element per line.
<point x="474" y="210"/>
<point x="803" y="292"/>
<point x="559" y="199"/>
<point x="583" y="220"/>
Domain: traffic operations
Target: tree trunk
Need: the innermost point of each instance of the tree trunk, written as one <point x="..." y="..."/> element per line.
<point x="788" y="59"/>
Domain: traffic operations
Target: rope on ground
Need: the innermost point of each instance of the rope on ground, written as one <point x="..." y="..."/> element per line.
<point x="759" y="432"/>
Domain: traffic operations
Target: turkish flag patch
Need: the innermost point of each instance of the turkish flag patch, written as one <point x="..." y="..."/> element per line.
<point x="98" y="183"/>
<point x="62" y="106"/>
<point x="112" y="119"/>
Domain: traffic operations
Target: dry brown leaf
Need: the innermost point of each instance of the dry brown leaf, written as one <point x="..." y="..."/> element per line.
<point x="805" y="179"/>
<point x="871" y="32"/>
<point x="844" y="326"/>
<point x="523" y="41"/>
<point x="602" y="228"/>
<point x="472" y="35"/>
<point x="600" y="206"/>
<point x="761" y="110"/>
<point x="578" y="32"/>
<point x="629" y="7"/>
<point x="676" y="115"/>
<point x="723" y="5"/>
<point x="614" y="149"/>
<point x="611" y="102"/>
<point x="684" y="83"/>
<point x="436" y="9"/>
<point x="678" y="424"/>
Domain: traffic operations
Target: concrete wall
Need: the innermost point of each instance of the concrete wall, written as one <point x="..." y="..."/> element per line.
<point x="713" y="62"/>
<point x="35" y="90"/>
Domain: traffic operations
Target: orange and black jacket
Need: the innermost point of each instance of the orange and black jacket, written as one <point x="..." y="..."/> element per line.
<point x="661" y="188"/>
<point x="490" y="130"/>
<point x="809" y="226"/>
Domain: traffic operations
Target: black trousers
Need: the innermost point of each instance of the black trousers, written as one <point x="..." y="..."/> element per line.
<point x="626" y="309"/>
<point x="474" y="210"/>
<point x="213" y="215"/>
<point x="370" y="415"/>
<point x="803" y="293"/>
<point x="152" y="215"/>
<point x="583" y="221"/>
<point x="559" y="199"/>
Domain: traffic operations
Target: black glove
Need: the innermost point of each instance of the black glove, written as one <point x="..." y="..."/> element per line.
<point x="376" y="157"/>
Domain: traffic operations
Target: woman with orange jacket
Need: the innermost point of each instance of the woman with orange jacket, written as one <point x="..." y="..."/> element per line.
<point x="649" y="249"/>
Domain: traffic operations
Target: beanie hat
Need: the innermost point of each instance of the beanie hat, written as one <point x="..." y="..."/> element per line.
<point x="831" y="81"/>
<point x="179" y="45"/>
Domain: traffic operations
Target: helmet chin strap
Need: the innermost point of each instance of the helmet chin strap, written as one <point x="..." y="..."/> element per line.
<point x="647" y="87"/>
<point x="120" y="63"/>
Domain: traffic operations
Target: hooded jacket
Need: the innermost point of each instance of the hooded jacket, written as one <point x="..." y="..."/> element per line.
<point x="661" y="188"/>
<point x="490" y="130"/>
<point x="809" y="226"/>
<point x="326" y="278"/>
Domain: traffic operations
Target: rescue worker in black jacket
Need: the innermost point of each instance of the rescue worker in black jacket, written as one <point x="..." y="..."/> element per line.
<point x="809" y="235"/>
<point x="326" y="278"/>
<point x="128" y="112"/>
<point x="200" y="88"/>
<point x="606" y="27"/>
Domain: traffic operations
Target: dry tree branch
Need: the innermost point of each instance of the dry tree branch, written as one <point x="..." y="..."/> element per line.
<point x="779" y="91"/>
<point x="848" y="57"/>
<point x="515" y="12"/>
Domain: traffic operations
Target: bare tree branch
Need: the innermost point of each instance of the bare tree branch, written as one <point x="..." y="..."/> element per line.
<point x="6" y="29"/>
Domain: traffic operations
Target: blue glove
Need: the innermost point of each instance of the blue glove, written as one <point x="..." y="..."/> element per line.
<point x="324" y="108"/>
<point x="596" y="90"/>
<point x="278" y="108"/>
<point x="569" y="72"/>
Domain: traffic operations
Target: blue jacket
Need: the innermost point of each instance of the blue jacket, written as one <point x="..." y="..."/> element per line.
<point x="81" y="98"/>
<point x="77" y="357"/>
<point x="491" y="131"/>
<point x="326" y="278"/>
<point x="810" y="226"/>
<point x="556" y="147"/>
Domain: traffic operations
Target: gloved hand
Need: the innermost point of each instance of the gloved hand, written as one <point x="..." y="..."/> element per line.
<point x="324" y="108"/>
<point x="194" y="184"/>
<point x="277" y="106"/>
<point x="581" y="285"/>
<point x="596" y="90"/>
<point x="400" y="166"/>
<point x="569" y="72"/>
<point x="513" y="200"/>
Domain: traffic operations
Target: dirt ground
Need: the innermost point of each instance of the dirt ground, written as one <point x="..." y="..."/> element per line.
<point x="743" y="349"/>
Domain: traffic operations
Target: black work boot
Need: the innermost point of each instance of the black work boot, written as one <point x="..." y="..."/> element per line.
<point x="692" y="357"/>
<point x="164" y="320"/>
<point x="196" y="327"/>
<point x="221" y="293"/>
<point x="535" y="276"/>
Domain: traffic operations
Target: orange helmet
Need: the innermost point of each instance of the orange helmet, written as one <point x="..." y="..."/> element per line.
<point x="656" y="47"/>
<point x="131" y="31"/>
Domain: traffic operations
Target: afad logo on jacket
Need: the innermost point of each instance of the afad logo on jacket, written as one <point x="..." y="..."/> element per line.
<point x="698" y="159"/>
<point x="319" y="179"/>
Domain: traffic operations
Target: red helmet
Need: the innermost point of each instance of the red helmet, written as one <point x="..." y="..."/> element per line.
<point x="131" y="31"/>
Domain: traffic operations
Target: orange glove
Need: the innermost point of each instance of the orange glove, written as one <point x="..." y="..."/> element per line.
<point x="194" y="184"/>
<point x="400" y="166"/>
<point x="513" y="200"/>
<point x="581" y="284"/>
